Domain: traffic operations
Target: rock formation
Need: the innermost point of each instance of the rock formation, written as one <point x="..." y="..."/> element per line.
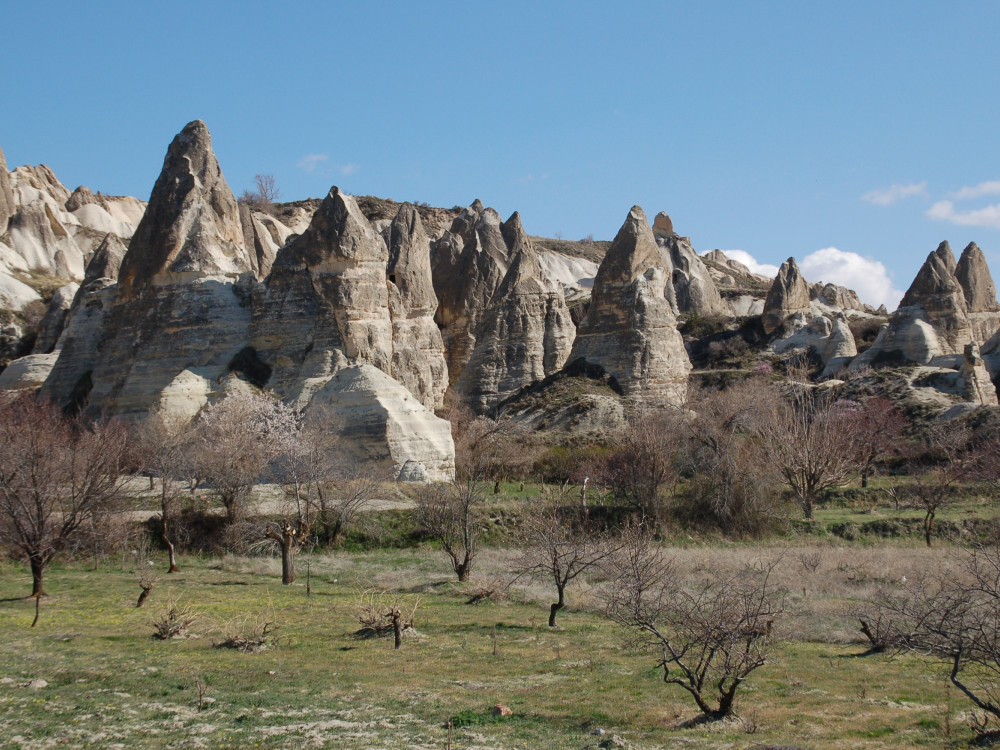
<point x="630" y="329"/>
<point x="191" y="228"/>
<point x="79" y="344"/>
<point x="468" y="264"/>
<point x="417" y="347"/>
<point x="977" y="386"/>
<point x="694" y="290"/>
<point x="839" y="348"/>
<point x="788" y="295"/>
<point x="52" y="324"/>
<point x="524" y="334"/>
<point x="948" y="306"/>
<point x="6" y="195"/>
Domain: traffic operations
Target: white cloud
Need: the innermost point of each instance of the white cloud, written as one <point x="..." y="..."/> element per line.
<point x="348" y="169"/>
<point x="310" y="162"/>
<point x="888" y="196"/>
<point x="742" y="256"/>
<point x="988" y="216"/>
<point x="866" y="276"/>
<point x="977" y="191"/>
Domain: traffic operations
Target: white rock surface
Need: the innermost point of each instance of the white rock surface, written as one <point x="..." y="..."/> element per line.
<point x="27" y="372"/>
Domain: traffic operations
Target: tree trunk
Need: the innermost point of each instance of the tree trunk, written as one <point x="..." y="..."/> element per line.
<point x="928" y="527"/>
<point x="397" y="629"/>
<point x="287" y="561"/>
<point x="807" y="508"/>
<point x="168" y="544"/>
<point x="864" y="478"/>
<point x="142" y="597"/>
<point x="37" y="573"/>
<point x="556" y="606"/>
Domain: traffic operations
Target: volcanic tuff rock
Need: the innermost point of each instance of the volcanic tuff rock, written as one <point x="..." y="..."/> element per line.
<point x="630" y="329"/>
<point x="693" y="286"/>
<point x="79" y="344"/>
<point x="839" y="348"/>
<point x="26" y="372"/>
<point x="524" y="334"/>
<point x="191" y="228"/>
<point x="418" y="360"/>
<point x="935" y="320"/>
<point x="976" y="379"/>
<point x="55" y="318"/>
<point x="6" y="195"/>
<point x="789" y="295"/>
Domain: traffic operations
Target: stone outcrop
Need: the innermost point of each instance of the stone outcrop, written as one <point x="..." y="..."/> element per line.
<point x="948" y="306"/>
<point x="418" y="360"/>
<point x="525" y="333"/>
<point x="468" y="264"/>
<point x="52" y="324"/>
<point x="977" y="386"/>
<point x="837" y="297"/>
<point x="694" y="289"/>
<point x="789" y="295"/>
<point x="191" y="228"/>
<point x="839" y="348"/>
<point x="6" y="195"/>
<point x="79" y="344"/>
<point x="27" y="372"/>
<point x="630" y="329"/>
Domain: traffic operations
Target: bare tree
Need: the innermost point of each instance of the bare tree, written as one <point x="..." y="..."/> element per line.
<point x="559" y="545"/>
<point x="945" y="459"/>
<point x="876" y="427"/>
<point x="163" y="440"/>
<point x="709" y="638"/>
<point x="236" y="440"/>
<point x="56" y="476"/>
<point x="264" y="195"/>
<point x="954" y="615"/>
<point x="452" y="514"/>
<point x="807" y="436"/>
<point x="644" y="462"/>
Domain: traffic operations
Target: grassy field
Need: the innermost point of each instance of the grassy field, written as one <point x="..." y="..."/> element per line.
<point x="110" y="684"/>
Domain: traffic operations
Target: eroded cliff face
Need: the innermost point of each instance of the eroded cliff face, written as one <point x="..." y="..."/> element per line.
<point x="789" y="295"/>
<point x="524" y="334"/>
<point x="630" y="328"/>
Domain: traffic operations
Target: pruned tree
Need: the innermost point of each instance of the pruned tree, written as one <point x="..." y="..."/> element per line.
<point x="709" y="638"/>
<point x="942" y="462"/>
<point x="164" y="440"/>
<point x="559" y="544"/>
<point x="237" y="438"/>
<point x="452" y="514"/>
<point x="57" y="476"/>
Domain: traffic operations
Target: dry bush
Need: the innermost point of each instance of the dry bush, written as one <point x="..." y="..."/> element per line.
<point x="489" y="589"/>
<point x="264" y="195"/>
<point x="175" y="621"/>
<point x="250" y="633"/>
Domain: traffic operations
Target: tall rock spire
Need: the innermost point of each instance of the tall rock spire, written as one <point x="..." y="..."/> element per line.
<point x="192" y="224"/>
<point x="630" y="329"/>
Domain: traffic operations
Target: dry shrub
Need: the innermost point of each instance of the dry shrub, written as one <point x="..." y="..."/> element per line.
<point x="492" y="589"/>
<point x="378" y="611"/>
<point x="250" y="634"/>
<point x="174" y="622"/>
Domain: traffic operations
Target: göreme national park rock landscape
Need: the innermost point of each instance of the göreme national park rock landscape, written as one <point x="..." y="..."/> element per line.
<point x="489" y="377"/>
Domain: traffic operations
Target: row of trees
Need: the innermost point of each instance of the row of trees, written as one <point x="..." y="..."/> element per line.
<point x="61" y="476"/>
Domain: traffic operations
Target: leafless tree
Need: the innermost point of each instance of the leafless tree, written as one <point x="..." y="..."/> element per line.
<point x="709" y="638"/>
<point x="560" y="543"/>
<point x="945" y="459"/>
<point x="807" y="437"/>
<point x="876" y="428"/>
<point x="237" y="438"/>
<point x="954" y="615"/>
<point x="644" y="462"/>
<point x="731" y="481"/>
<point x="164" y="440"/>
<point x="452" y="514"/>
<point x="264" y="195"/>
<point x="56" y="476"/>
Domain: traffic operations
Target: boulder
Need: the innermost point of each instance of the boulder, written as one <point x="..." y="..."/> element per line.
<point x="27" y="372"/>
<point x="525" y="333"/>
<point x="789" y="295"/>
<point x="191" y="228"/>
<point x="630" y="328"/>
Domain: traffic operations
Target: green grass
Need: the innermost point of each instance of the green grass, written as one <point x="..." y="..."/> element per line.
<point x="110" y="683"/>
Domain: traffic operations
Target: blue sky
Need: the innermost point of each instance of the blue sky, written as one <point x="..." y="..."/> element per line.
<point x="775" y="128"/>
